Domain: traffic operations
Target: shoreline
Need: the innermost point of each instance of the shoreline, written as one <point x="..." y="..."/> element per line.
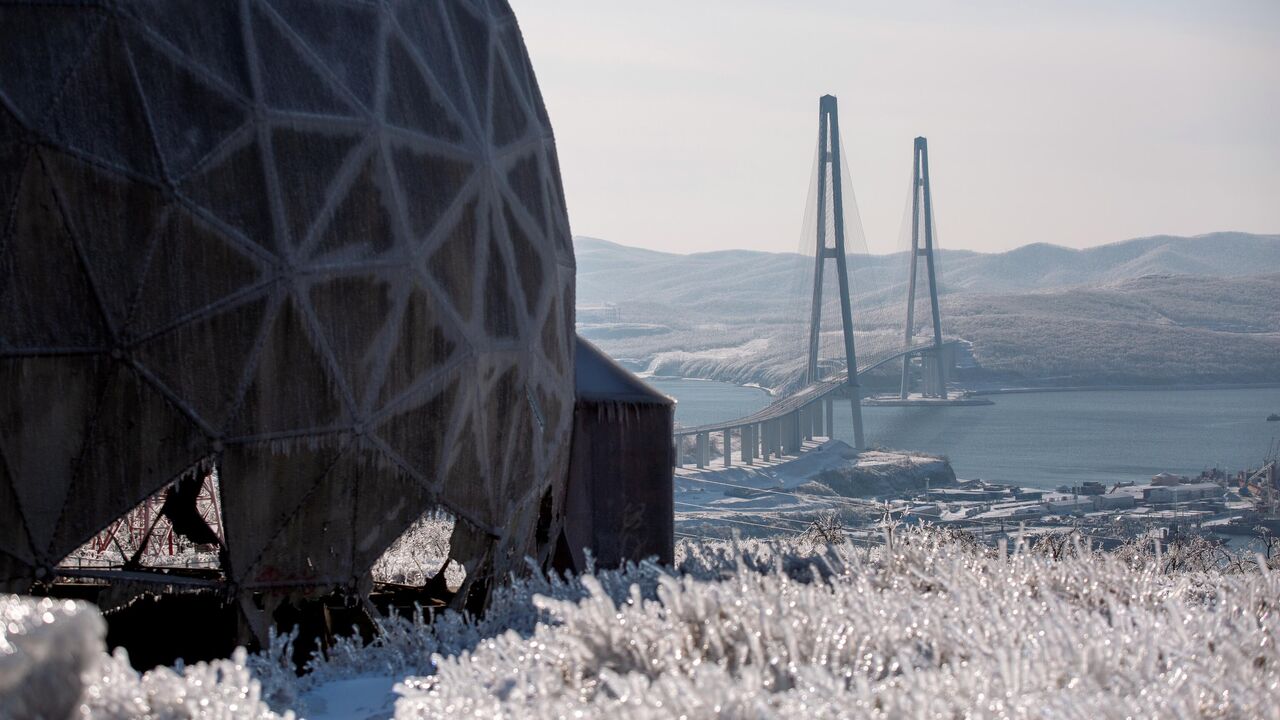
<point x="1127" y="388"/>
<point x="771" y="392"/>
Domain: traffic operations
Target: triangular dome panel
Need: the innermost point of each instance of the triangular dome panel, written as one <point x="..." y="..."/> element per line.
<point x="500" y="320"/>
<point x="189" y="117"/>
<point x="306" y="547"/>
<point x="139" y="442"/>
<point x="424" y="344"/>
<point x="215" y="44"/>
<point x="429" y="185"/>
<point x="335" y="300"/>
<point x="361" y="225"/>
<point x="525" y="179"/>
<point x="307" y="165"/>
<point x="453" y="263"/>
<point x="529" y="261"/>
<point x="103" y="86"/>
<point x="507" y="115"/>
<point x="186" y="242"/>
<point x="411" y="103"/>
<point x="291" y="82"/>
<point x="293" y="387"/>
<point x="416" y="432"/>
<point x="203" y="362"/>
<point x="471" y="37"/>
<point x="343" y="35"/>
<point x="260" y="494"/>
<point x="17" y="557"/>
<point x="233" y="188"/>
<point x="430" y="38"/>
<point x="113" y="218"/>
<point x="35" y="39"/>
<point x="44" y="456"/>
<point x="46" y="299"/>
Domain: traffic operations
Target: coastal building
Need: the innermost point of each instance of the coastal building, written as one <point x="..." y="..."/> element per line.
<point x="1069" y="505"/>
<point x="1183" y="493"/>
<point x="1114" y="501"/>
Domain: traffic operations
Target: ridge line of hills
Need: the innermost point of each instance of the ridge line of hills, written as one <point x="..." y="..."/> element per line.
<point x="1154" y="310"/>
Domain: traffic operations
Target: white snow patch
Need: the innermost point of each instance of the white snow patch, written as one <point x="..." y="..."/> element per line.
<point x="362" y="698"/>
<point x="46" y="647"/>
<point x="748" y="349"/>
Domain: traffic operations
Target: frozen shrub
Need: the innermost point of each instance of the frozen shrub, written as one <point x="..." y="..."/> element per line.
<point x="222" y="690"/>
<point x="921" y="626"/>
<point x="924" y="623"/>
<point x="46" y="646"/>
<point x="54" y="665"/>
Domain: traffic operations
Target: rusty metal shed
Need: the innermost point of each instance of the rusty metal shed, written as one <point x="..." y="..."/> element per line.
<point x="620" y="503"/>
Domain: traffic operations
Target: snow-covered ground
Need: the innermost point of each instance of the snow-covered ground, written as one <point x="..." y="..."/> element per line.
<point x="784" y="495"/>
<point x="925" y="624"/>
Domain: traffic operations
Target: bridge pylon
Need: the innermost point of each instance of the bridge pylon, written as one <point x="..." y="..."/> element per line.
<point x="922" y="246"/>
<point x="829" y="175"/>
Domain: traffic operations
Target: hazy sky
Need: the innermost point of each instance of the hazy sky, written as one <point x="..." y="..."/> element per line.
<point x="689" y="125"/>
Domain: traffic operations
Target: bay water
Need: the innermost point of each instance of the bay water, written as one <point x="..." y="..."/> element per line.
<point x="1045" y="439"/>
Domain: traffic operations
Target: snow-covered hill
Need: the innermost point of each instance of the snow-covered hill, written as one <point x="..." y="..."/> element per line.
<point x="1148" y="311"/>
<point x="608" y="272"/>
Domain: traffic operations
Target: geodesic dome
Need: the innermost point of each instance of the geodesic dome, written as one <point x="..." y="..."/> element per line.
<point x="318" y="243"/>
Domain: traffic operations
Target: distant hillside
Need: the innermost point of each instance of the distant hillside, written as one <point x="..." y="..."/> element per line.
<point x="1150" y="310"/>
<point x="717" y="281"/>
<point x="1151" y="329"/>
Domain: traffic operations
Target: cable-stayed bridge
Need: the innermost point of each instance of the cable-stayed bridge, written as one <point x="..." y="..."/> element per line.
<point x="782" y="427"/>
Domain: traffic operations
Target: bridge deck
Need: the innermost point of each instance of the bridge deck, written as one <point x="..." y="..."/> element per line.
<point x="805" y="396"/>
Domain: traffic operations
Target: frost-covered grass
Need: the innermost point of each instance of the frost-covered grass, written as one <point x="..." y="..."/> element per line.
<point x="925" y="625"/>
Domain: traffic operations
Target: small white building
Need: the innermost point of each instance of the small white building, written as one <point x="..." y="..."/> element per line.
<point x="1070" y="505"/>
<point x="1114" y="501"/>
<point x="1183" y="493"/>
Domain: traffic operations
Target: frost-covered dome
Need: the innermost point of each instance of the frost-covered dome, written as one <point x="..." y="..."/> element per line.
<point x="319" y="242"/>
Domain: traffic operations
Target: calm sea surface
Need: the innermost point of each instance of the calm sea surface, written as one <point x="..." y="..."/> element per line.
<point x="1046" y="439"/>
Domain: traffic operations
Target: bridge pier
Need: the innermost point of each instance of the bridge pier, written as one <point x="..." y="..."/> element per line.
<point x="932" y="365"/>
<point x="829" y="171"/>
<point x="793" y="438"/>
<point x="747" y="433"/>
<point x="728" y="447"/>
<point x="831" y="415"/>
<point x="704" y="449"/>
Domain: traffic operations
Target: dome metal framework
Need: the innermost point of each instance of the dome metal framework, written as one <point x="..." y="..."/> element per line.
<point x="321" y="244"/>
